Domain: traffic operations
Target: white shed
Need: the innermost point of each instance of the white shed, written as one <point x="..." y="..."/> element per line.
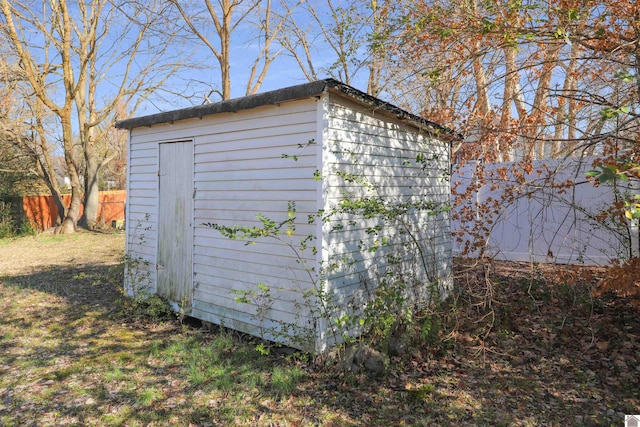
<point x="359" y="187"/>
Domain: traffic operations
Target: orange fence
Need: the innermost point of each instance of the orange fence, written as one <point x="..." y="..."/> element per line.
<point x="42" y="213"/>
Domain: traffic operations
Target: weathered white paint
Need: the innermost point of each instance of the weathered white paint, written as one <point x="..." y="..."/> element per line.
<point x="175" y="222"/>
<point x="239" y="171"/>
<point x="384" y="152"/>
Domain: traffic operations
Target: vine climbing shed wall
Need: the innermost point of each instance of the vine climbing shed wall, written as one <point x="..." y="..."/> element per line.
<point x="358" y="188"/>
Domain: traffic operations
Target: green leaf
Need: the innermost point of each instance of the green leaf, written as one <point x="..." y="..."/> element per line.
<point x="626" y="77"/>
<point x="573" y="14"/>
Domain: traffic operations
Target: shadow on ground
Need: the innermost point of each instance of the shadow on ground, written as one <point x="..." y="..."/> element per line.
<point x="83" y="286"/>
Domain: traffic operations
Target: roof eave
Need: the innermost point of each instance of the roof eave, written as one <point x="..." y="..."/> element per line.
<point x="228" y="106"/>
<point x="377" y="104"/>
<point x="292" y="93"/>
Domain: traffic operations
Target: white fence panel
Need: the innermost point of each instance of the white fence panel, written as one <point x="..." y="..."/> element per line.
<point x="545" y="222"/>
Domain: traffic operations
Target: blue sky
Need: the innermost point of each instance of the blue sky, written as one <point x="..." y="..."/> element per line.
<point x="283" y="72"/>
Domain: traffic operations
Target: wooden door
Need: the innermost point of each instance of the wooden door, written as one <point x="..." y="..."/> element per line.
<point x="175" y="222"/>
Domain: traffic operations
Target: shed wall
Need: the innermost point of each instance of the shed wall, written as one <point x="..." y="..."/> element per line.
<point x="239" y="172"/>
<point x="373" y="156"/>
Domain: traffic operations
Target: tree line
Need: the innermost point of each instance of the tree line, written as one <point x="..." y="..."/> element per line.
<point x="521" y="80"/>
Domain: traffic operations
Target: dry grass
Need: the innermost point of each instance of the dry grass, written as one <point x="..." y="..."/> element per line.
<point x="32" y="254"/>
<point x="543" y="352"/>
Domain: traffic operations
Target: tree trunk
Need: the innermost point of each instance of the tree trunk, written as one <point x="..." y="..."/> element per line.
<point x="46" y="170"/>
<point x="57" y="199"/>
<point x="69" y="224"/>
<point x="225" y="50"/>
<point x="91" y="193"/>
<point x="70" y="221"/>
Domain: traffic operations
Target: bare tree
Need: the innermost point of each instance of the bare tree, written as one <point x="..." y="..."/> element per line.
<point x="344" y="40"/>
<point x="117" y="145"/>
<point x="24" y="154"/>
<point x="215" y="26"/>
<point x="81" y="60"/>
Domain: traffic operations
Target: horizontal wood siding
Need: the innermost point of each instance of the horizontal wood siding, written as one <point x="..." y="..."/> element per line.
<point x="142" y="213"/>
<point x="240" y="172"/>
<point x="370" y="155"/>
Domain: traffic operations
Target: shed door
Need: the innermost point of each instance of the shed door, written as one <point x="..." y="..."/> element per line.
<point x="175" y="241"/>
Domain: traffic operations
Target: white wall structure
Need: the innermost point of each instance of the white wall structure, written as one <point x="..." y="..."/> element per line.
<point x="548" y="222"/>
<point x="322" y="153"/>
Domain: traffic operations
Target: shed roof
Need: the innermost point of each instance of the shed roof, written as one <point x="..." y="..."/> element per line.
<point x="302" y="91"/>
